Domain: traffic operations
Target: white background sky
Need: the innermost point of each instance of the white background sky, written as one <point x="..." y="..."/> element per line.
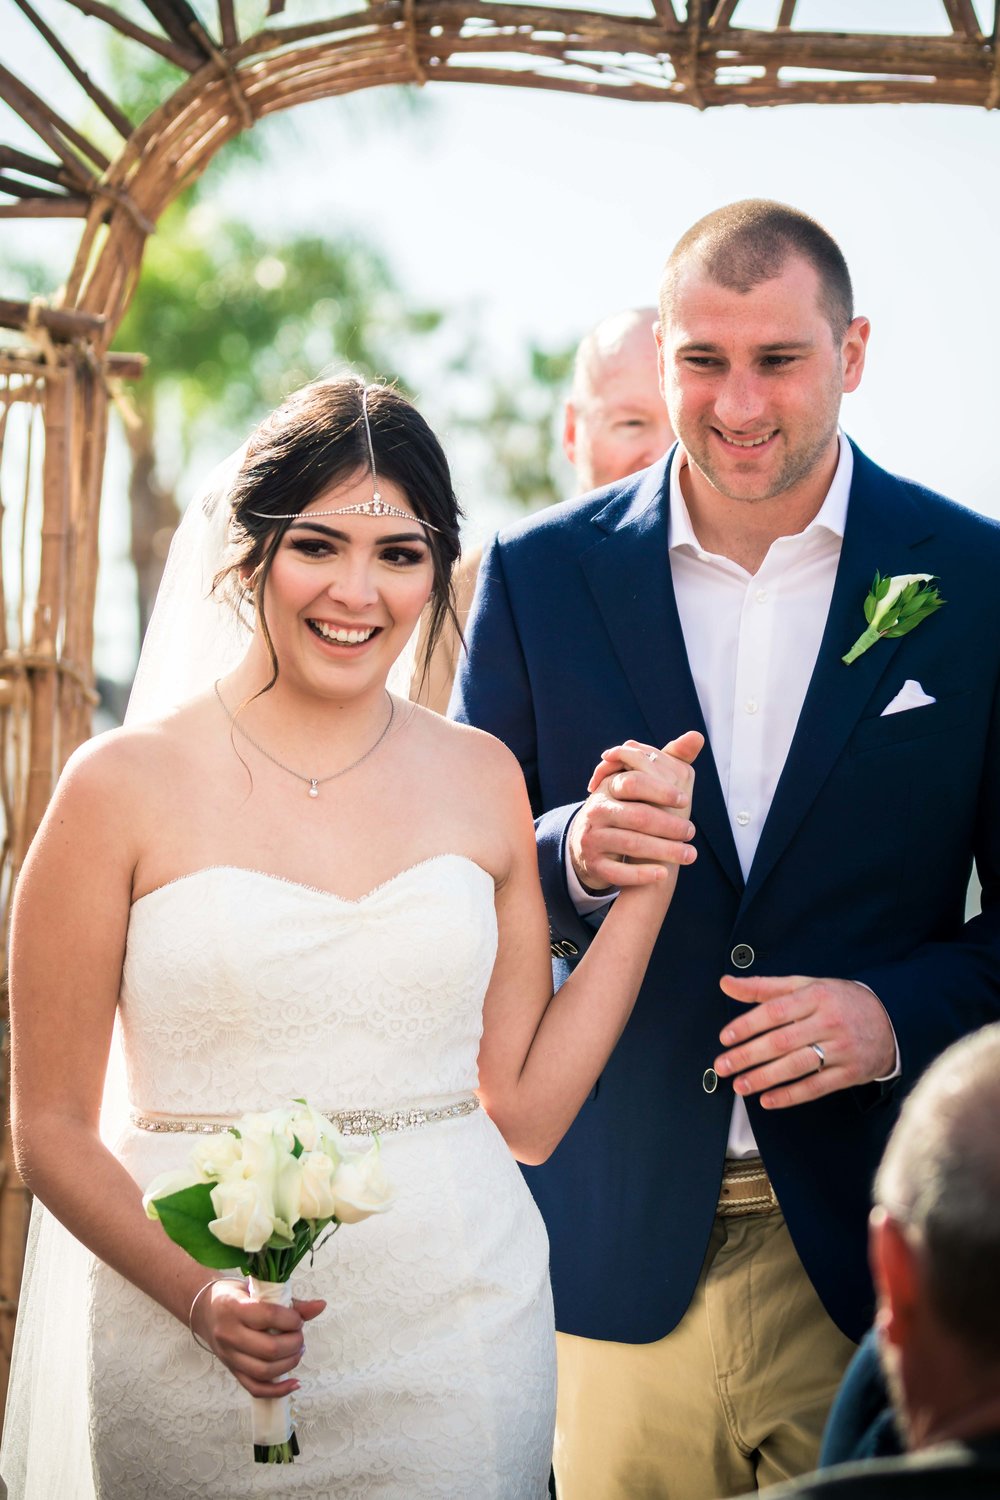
<point x="548" y="211"/>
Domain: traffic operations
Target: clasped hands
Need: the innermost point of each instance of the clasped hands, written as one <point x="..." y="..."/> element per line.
<point x="803" y="1037"/>
<point x="637" y="817"/>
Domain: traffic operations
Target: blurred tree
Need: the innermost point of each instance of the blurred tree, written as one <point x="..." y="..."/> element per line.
<point x="520" y="423"/>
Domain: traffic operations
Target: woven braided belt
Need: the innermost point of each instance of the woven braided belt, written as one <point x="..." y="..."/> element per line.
<point x="348" y="1121"/>
<point x="746" y="1189"/>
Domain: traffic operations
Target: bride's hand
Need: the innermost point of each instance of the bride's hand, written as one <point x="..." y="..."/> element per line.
<point x="637" y="813"/>
<point x="258" y="1341"/>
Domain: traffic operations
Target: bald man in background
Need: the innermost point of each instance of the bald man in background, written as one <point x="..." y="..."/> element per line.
<point x="615" y="423"/>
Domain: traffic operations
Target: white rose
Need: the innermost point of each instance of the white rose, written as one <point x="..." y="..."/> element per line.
<point x="216" y="1154"/>
<point x="316" y="1199"/>
<point x="360" y="1187"/>
<point x="262" y="1150"/>
<point x="288" y="1193"/>
<point x="309" y="1127"/>
<point x="897" y="584"/>
<point x="167" y="1183"/>
<point x="245" y="1209"/>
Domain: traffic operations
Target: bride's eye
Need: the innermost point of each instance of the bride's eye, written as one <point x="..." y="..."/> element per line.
<point x="311" y="546"/>
<point x="403" y="557"/>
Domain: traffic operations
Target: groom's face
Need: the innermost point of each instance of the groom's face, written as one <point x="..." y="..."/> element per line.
<point x="753" y="381"/>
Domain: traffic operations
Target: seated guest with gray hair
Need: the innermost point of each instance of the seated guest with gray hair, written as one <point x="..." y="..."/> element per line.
<point x="935" y="1253"/>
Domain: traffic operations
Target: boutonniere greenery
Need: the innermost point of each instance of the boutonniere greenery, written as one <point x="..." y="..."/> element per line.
<point x="894" y="607"/>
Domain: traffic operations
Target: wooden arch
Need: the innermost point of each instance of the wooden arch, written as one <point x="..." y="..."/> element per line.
<point x="119" y="175"/>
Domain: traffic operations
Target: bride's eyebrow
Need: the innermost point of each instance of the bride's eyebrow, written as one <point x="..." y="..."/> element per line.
<point x="342" y="536"/>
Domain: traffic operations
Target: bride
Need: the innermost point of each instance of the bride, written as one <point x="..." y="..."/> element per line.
<point x="292" y="884"/>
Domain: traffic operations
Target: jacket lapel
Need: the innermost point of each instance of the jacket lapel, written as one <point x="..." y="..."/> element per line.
<point x="883" y="525"/>
<point x="628" y="572"/>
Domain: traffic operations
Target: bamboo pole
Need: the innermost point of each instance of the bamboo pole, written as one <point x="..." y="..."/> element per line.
<point x="108" y="108"/>
<point x="182" y="56"/>
<point x="42" y="117"/>
<point x="61" y="322"/>
<point x="23" y="392"/>
<point x="37" y="208"/>
<point x="90" y="434"/>
<point x="58" y="482"/>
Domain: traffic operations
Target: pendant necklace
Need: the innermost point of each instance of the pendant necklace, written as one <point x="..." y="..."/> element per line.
<point x="312" y="782"/>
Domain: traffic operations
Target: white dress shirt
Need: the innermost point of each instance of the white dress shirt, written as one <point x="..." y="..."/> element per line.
<point x="752" y="642"/>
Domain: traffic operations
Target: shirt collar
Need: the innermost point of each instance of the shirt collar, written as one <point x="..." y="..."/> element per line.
<point x="831" y="516"/>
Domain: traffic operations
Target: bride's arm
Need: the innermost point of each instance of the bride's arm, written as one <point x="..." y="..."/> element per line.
<point x="68" y="936"/>
<point x="542" y="1053"/>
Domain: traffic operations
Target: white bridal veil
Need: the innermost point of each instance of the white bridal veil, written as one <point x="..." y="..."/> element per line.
<point x="195" y="636"/>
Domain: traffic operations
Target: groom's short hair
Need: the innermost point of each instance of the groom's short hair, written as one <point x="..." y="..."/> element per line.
<point x="745" y="243"/>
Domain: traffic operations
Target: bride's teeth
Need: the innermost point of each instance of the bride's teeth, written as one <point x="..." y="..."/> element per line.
<point x="341" y="636"/>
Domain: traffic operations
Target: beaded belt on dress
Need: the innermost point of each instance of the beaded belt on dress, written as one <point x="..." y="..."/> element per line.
<point x="347" y="1121"/>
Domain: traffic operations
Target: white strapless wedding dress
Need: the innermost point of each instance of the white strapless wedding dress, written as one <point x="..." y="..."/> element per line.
<point x="431" y="1372"/>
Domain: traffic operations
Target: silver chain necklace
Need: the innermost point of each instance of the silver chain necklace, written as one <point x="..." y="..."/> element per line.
<point x="314" y="782"/>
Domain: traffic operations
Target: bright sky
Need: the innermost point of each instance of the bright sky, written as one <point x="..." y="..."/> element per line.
<point x="549" y="211"/>
<point x="553" y="211"/>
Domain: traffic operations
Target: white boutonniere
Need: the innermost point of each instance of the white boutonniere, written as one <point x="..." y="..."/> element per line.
<point x="894" y="607"/>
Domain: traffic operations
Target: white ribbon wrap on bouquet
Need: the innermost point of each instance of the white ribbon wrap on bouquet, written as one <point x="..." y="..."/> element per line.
<point x="271" y="1418"/>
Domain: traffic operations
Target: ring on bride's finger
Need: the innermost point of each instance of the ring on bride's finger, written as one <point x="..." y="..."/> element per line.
<point x="820" y="1054"/>
<point x="650" y="755"/>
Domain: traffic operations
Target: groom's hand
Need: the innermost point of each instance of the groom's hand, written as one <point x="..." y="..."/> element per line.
<point x="772" y="1049"/>
<point x="638" y="814"/>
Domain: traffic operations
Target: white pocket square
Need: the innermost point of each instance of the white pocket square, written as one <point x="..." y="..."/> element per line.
<point x="910" y="695"/>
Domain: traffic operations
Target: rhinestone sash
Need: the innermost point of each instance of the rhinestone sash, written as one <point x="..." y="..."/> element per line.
<point x="348" y="1121"/>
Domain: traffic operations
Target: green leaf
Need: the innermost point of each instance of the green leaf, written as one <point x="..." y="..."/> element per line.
<point x="186" y="1216"/>
<point x="905" y="626"/>
<point x="870" y="608"/>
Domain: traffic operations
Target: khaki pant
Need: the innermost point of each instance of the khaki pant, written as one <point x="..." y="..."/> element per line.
<point x="733" y="1400"/>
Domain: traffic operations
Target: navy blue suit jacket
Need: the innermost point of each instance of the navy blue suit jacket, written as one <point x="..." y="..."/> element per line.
<point x="860" y="873"/>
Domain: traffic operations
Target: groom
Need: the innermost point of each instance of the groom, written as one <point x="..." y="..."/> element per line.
<point x="707" y="1209"/>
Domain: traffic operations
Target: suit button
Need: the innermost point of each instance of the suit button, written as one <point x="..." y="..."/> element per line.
<point x="742" y="955"/>
<point x="710" y="1080"/>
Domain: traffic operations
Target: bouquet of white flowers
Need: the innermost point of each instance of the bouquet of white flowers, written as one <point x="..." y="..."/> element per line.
<point x="261" y="1196"/>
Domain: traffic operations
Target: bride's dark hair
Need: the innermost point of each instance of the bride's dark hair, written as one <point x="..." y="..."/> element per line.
<point x="315" y="440"/>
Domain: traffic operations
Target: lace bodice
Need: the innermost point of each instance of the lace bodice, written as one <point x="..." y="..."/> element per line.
<point x="241" y="989"/>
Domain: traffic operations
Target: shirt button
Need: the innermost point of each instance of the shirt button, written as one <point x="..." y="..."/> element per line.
<point x="743" y="819"/>
<point x="742" y="955"/>
<point x="710" y="1080"/>
<point x="751" y="706"/>
<point x="761" y="596"/>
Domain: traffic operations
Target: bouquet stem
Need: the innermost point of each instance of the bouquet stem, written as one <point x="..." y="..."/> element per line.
<point x="274" y="1439"/>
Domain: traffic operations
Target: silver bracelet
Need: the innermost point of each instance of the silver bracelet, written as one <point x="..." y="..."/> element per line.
<point x="194" y="1300"/>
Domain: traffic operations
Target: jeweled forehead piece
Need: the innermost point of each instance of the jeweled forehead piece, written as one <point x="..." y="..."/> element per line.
<point x="376" y="506"/>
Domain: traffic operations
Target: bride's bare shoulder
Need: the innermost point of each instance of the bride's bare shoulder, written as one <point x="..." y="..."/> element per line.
<point x="461" y="751"/>
<point x="134" y="758"/>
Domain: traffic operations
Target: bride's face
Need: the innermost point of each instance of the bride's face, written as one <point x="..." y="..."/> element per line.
<point x="344" y="593"/>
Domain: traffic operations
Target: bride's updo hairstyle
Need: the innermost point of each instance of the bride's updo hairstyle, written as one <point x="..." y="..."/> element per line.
<point x="316" y="440"/>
